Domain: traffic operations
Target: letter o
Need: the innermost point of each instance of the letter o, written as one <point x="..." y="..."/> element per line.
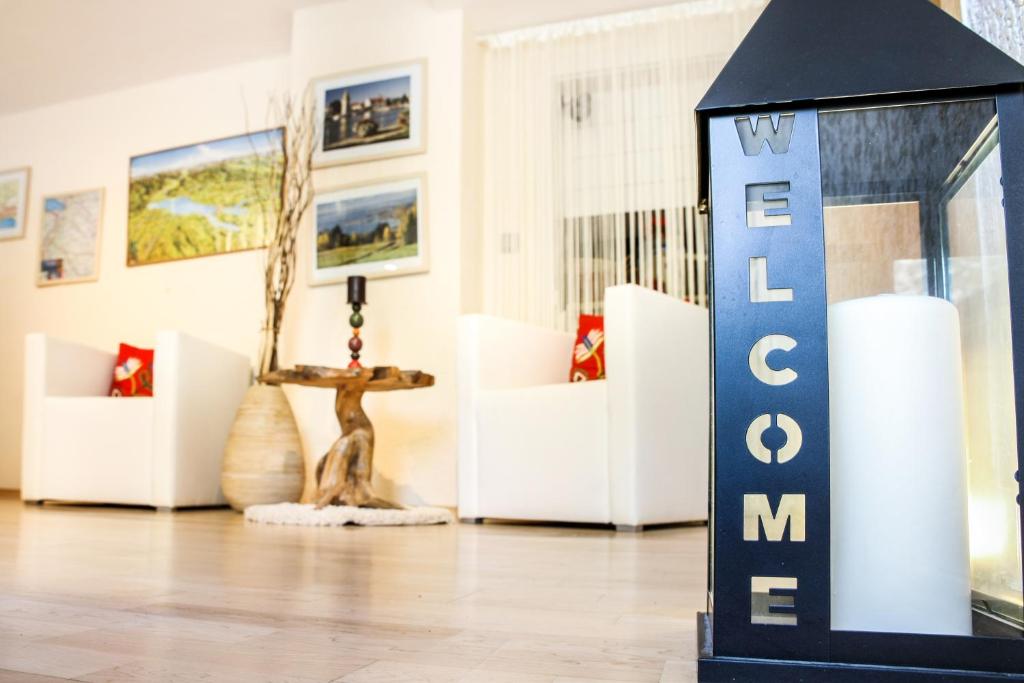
<point x="789" y="450"/>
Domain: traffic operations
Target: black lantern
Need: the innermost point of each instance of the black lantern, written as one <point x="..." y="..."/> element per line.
<point x="863" y="165"/>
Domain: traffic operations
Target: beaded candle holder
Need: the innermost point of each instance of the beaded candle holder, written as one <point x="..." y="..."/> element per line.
<point x="357" y="298"/>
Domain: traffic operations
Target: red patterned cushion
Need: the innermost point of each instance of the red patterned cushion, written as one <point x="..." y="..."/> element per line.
<point x="133" y="374"/>
<point x="588" y="353"/>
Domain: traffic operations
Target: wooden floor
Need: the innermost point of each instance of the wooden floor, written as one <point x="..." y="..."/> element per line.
<point x="106" y="594"/>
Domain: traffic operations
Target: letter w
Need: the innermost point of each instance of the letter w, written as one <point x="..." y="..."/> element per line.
<point x="754" y="135"/>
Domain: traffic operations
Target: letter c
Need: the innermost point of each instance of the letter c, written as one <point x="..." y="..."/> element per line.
<point x="758" y="360"/>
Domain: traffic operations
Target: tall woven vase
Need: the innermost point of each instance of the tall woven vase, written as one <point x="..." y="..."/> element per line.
<point x="263" y="460"/>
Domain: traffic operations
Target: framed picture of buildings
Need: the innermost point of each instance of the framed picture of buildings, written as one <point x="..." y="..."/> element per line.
<point x="209" y="198"/>
<point x="13" y="202"/>
<point x="371" y="114"/>
<point x="69" y="242"/>
<point x="376" y="230"/>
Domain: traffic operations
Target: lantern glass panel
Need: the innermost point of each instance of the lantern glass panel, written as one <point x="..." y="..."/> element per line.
<point x="926" y="531"/>
<point x="979" y="287"/>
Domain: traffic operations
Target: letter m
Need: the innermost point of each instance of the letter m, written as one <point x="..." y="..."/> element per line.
<point x="757" y="511"/>
<point x="753" y="134"/>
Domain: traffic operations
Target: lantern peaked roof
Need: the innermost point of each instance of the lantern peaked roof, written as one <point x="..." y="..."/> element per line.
<point x="810" y="51"/>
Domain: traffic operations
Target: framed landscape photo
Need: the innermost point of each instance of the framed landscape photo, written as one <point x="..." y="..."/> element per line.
<point x="13" y="202"/>
<point x="370" y="114"/>
<point x="205" y="199"/>
<point x="69" y="243"/>
<point x="376" y="230"/>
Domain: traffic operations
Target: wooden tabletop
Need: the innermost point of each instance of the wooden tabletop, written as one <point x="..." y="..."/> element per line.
<point x="379" y="378"/>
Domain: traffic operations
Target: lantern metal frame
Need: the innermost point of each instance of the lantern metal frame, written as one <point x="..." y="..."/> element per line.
<point x="802" y="57"/>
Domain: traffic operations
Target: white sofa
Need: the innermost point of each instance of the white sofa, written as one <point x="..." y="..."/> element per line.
<point x="80" y="445"/>
<point x="629" y="451"/>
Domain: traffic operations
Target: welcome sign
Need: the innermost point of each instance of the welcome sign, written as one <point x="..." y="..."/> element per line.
<point x="771" y="473"/>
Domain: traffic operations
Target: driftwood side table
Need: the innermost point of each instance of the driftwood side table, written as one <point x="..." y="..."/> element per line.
<point x="344" y="474"/>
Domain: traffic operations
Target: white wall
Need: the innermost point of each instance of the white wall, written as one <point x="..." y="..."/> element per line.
<point x="85" y="144"/>
<point x="410" y="321"/>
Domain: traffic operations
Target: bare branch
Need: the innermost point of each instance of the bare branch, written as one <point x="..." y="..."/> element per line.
<point x="283" y="207"/>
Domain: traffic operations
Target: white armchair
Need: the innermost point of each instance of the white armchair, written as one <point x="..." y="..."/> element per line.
<point x="80" y="445"/>
<point x="630" y="451"/>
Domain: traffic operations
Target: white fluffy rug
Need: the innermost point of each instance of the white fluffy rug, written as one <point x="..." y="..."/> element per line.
<point x="339" y="515"/>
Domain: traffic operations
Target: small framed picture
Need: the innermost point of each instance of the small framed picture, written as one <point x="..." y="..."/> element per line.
<point x="70" y="239"/>
<point x="371" y="114"/>
<point x="13" y="202"/>
<point x="376" y="230"/>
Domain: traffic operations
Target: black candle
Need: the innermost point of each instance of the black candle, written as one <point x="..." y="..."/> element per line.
<point x="356" y="289"/>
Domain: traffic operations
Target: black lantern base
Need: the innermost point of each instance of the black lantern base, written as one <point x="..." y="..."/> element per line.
<point x="727" y="670"/>
<point x="711" y="669"/>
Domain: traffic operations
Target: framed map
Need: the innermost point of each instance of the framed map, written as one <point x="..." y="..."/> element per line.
<point x="210" y="198"/>
<point x="70" y="241"/>
<point x="13" y="202"/>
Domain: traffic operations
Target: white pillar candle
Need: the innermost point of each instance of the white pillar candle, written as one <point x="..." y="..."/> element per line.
<point x="900" y="552"/>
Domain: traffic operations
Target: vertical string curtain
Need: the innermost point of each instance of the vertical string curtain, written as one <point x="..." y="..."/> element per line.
<point x="590" y="157"/>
